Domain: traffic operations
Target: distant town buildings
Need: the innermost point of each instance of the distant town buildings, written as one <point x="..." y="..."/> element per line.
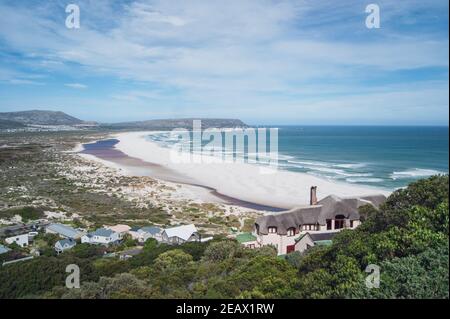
<point x="101" y="236"/>
<point x="120" y="229"/>
<point x="64" y="244"/>
<point x="180" y="234"/>
<point x="144" y="233"/>
<point x="64" y="231"/>
<point x="21" y="240"/>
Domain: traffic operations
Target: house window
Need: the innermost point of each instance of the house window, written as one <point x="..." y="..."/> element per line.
<point x="291" y="231"/>
<point x="339" y="222"/>
<point x="309" y="227"/>
<point x="351" y="223"/>
<point x="272" y="230"/>
<point x="251" y="246"/>
<point x="329" y="224"/>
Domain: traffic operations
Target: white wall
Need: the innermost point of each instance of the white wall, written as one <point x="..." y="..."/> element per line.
<point x="85" y="239"/>
<point x="304" y="243"/>
<point x="106" y="240"/>
<point x="101" y="239"/>
<point x="279" y="241"/>
<point x="21" y="240"/>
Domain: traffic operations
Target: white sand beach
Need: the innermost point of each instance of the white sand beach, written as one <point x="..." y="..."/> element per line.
<point x="243" y="181"/>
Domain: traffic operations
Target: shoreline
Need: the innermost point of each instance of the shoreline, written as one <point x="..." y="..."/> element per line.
<point x="112" y="157"/>
<point x="241" y="182"/>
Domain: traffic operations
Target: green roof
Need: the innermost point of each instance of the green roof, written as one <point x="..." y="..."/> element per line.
<point x="323" y="242"/>
<point x="245" y="237"/>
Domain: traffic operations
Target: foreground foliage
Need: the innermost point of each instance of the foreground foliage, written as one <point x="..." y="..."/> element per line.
<point x="407" y="238"/>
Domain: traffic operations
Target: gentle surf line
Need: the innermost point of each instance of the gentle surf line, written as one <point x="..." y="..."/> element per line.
<point x="245" y="181"/>
<point x="105" y="150"/>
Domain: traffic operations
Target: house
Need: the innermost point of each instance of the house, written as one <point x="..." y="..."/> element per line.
<point x="64" y="231"/>
<point x="331" y="214"/>
<point x="3" y="249"/>
<point x="64" y="244"/>
<point x="120" y="229"/>
<point x="144" y="233"/>
<point x="248" y="240"/>
<point x="134" y="232"/>
<point x="101" y="236"/>
<point x="308" y="240"/>
<point x="180" y="234"/>
<point x="21" y="240"/>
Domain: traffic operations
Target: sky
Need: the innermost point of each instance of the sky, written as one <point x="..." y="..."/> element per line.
<point x="264" y="62"/>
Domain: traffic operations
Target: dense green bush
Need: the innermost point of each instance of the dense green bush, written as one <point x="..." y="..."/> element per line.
<point x="407" y="238"/>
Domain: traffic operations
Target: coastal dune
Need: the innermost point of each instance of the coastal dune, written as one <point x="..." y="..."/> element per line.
<point x="244" y="181"/>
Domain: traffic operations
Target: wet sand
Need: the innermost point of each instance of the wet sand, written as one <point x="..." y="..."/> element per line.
<point x="105" y="150"/>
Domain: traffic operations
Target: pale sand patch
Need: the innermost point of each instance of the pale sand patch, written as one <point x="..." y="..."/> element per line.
<point x="241" y="180"/>
<point x="182" y="191"/>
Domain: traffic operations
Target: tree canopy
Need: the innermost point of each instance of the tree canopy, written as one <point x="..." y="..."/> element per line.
<point x="407" y="237"/>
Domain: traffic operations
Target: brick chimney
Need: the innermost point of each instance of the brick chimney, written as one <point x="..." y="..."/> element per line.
<point x="313" y="196"/>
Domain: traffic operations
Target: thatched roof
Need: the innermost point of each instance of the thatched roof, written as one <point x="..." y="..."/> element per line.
<point x="327" y="208"/>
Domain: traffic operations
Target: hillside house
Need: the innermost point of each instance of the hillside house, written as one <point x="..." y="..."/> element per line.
<point x="180" y="234"/>
<point x="21" y="240"/>
<point x="248" y="240"/>
<point x="329" y="215"/>
<point x="64" y="231"/>
<point x="64" y="244"/>
<point x="120" y="229"/>
<point x="101" y="236"/>
<point x="144" y="233"/>
<point x="308" y="240"/>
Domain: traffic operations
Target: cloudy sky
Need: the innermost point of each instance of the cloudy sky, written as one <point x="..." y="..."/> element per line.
<point x="266" y="62"/>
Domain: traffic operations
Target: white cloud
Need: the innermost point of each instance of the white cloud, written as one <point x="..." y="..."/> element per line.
<point x="76" y="85"/>
<point x="234" y="54"/>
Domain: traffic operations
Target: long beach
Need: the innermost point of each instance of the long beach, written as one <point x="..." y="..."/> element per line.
<point x="243" y="181"/>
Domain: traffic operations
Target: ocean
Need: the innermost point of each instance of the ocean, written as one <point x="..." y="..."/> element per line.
<point x="381" y="156"/>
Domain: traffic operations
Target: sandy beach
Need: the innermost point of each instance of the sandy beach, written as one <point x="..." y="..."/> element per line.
<point x="247" y="182"/>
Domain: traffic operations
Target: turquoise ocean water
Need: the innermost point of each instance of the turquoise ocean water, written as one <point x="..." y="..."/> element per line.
<point x="387" y="157"/>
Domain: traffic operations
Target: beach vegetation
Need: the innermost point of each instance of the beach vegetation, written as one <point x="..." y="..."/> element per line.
<point x="407" y="237"/>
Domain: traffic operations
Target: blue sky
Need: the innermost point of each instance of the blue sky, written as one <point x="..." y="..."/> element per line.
<point x="265" y="62"/>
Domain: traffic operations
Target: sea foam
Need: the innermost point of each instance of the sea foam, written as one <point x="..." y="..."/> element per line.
<point x="413" y="173"/>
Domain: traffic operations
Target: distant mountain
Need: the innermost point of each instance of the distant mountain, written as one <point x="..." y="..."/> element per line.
<point x="168" y="124"/>
<point x="6" y="124"/>
<point x="36" y="117"/>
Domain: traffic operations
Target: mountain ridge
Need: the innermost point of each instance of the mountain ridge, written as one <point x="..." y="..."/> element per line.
<point x="186" y="123"/>
<point x="40" y="117"/>
<point x="43" y="117"/>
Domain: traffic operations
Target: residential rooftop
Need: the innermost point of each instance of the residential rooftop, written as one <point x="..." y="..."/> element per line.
<point x="4" y="249"/>
<point x="65" y="230"/>
<point x="184" y="232"/>
<point x="153" y="230"/>
<point x="67" y="241"/>
<point x="245" y="238"/>
<point x="327" y="208"/>
<point x="102" y="232"/>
